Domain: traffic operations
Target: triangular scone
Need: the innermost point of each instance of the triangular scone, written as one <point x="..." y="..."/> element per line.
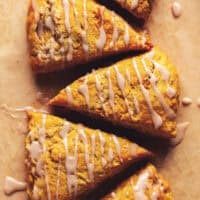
<point x="65" y="160"/>
<point x="140" y="92"/>
<point x="139" y="8"/>
<point x="63" y="33"/>
<point x="146" y="184"/>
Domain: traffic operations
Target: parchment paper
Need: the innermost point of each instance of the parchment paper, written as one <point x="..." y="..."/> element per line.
<point x="18" y="87"/>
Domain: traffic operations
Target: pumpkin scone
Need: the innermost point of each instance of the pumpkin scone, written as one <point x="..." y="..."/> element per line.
<point x="64" y="33"/>
<point x="147" y="184"/>
<point x="66" y="160"/>
<point x="138" y="8"/>
<point x="140" y="92"/>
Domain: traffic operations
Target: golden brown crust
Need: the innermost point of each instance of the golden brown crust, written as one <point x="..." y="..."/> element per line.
<point x="163" y="95"/>
<point x="153" y="186"/>
<point x="47" y="154"/>
<point x="49" y="39"/>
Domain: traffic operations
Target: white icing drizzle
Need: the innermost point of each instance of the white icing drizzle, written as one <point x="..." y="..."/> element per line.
<point x="121" y="85"/>
<point x="70" y="161"/>
<point x="117" y="146"/>
<point x="115" y="34"/>
<point x="35" y="193"/>
<point x="69" y="95"/>
<point x="49" y="23"/>
<point x="153" y="80"/>
<point x="136" y="104"/>
<point x="164" y="72"/>
<point x="66" y="6"/>
<point x="12" y="185"/>
<point x="155" y="195"/>
<point x="156" y="118"/>
<point x="83" y="89"/>
<point x="176" y="9"/>
<point x="102" y="144"/>
<point x="110" y="155"/>
<point x="170" y="92"/>
<point x="47" y="184"/>
<point x="100" y="43"/>
<point x="110" y="90"/>
<point x="181" y="129"/>
<point x="58" y="179"/>
<point x="35" y="150"/>
<point x="186" y="101"/>
<point x="90" y="166"/>
<point x="126" y="35"/>
<point x="74" y="8"/>
<point x="99" y="89"/>
<point x="135" y="4"/>
<point x="113" y="194"/>
<point x="141" y="186"/>
<point x="83" y="32"/>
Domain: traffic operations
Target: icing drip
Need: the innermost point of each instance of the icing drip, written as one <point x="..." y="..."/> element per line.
<point x="134" y="4"/>
<point x="47" y="185"/>
<point x="99" y="89"/>
<point x="156" y="118"/>
<point x="155" y="195"/>
<point x="70" y="161"/>
<point x="83" y="32"/>
<point x="136" y="104"/>
<point x="102" y="144"/>
<point x="115" y="34"/>
<point x="126" y="35"/>
<point x="166" y="76"/>
<point x="128" y="75"/>
<point x="181" y="129"/>
<point x="69" y="95"/>
<point x="74" y="8"/>
<point x="49" y="23"/>
<point x="113" y="194"/>
<point x="100" y="43"/>
<point x="110" y="155"/>
<point x="35" y="150"/>
<point x="35" y="193"/>
<point x="68" y="27"/>
<point x="117" y="146"/>
<point x="121" y="85"/>
<point x="90" y="166"/>
<point x="163" y="71"/>
<point x="186" y="101"/>
<point x="153" y="80"/>
<point x="83" y="89"/>
<point x="110" y="90"/>
<point x="176" y="9"/>
<point x="171" y="92"/>
<point x="141" y="186"/>
<point x="12" y="185"/>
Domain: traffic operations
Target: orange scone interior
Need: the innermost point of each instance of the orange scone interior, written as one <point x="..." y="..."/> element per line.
<point x="63" y="33"/>
<point x="65" y="160"/>
<point x="140" y="92"/>
<point x="147" y="184"/>
<point x="139" y="8"/>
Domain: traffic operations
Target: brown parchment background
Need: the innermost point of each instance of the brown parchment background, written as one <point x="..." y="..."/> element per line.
<point x="180" y="38"/>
